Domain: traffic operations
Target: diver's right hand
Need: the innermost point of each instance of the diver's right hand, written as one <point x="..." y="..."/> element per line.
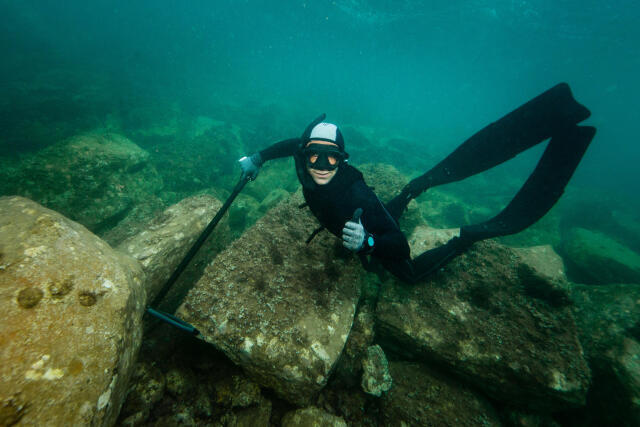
<point x="250" y="166"/>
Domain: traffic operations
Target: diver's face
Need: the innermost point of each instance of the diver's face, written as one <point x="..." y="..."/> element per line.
<point x="319" y="176"/>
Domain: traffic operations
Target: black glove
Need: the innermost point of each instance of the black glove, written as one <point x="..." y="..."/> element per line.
<point x="250" y="166"/>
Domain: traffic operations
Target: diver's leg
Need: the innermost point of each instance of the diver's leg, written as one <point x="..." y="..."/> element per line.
<point x="538" y="194"/>
<point x="403" y="269"/>
<point x="533" y="122"/>
<point x="434" y="259"/>
<point x="412" y="271"/>
<point x="542" y="189"/>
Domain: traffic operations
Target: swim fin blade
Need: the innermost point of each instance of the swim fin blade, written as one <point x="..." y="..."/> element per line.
<point x="543" y="188"/>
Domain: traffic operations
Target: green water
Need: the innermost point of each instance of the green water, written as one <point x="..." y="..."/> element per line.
<point x="199" y="84"/>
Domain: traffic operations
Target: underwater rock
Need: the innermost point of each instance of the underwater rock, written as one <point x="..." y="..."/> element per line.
<point x="94" y="179"/>
<point x="136" y="220"/>
<point x="72" y="310"/>
<point x="513" y="417"/>
<point x="166" y="240"/>
<point x="425" y="238"/>
<point x="311" y="416"/>
<point x="443" y="209"/>
<point x="544" y="260"/>
<point x="375" y="376"/>
<point x="180" y="382"/>
<point x="490" y="319"/>
<point x="348" y="371"/>
<point x="243" y="213"/>
<point x="273" y="198"/>
<point x="606" y="314"/>
<point x="148" y="386"/>
<point x="252" y="416"/>
<point x="237" y="392"/>
<point x="422" y="397"/>
<point x="279" y="308"/>
<point x="593" y="258"/>
<point x="608" y="318"/>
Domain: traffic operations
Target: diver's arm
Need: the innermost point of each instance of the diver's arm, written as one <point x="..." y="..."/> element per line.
<point x="280" y="149"/>
<point x="250" y="165"/>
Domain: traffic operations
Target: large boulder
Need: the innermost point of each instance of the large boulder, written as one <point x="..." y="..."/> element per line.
<point x="94" y="178"/>
<point x="608" y="319"/>
<point x="421" y="396"/>
<point x="71" y="328"/>
<point x="593" y="258"/>
<point x="168" y="237"/>
<point x="276" y="306"/>
<point x="493" y="321"/>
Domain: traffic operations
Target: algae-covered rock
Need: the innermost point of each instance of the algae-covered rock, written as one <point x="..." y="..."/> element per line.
<point x="375" y="372"/>
<point x="608" y="319"/>
<point x="94" y="178"/>
<point x="252" y="416"/>
<point x="421" y="396"/>
<point x="491" y="320"/>
<point x="237" y="392"/>
<point x="593" y="258"/>
<point x="276" y="306"/>
<point x="147" y="388"/>
<point x="544" y="260"/>
<point x="606" y="314"/>
<point x="71" y="328"/>
<point x="349" y="368"/>
<point x="513" y="417"/>
<point x="136" y="220"/>
<point x="243" y="213"/>
<point x="626" y="368"/>
<point x="311" y="417"/>
<point x="166" y="240"/>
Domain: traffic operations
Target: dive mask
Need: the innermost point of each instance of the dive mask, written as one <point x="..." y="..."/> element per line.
<point x="323" y="157"/>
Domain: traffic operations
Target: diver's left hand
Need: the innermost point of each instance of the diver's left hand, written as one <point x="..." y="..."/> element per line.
<point x="353" y="235"/>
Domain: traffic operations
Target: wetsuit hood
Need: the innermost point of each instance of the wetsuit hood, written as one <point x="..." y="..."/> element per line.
<point x="320" y="131"/>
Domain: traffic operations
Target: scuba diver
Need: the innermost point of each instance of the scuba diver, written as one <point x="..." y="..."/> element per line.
<point x="342" y="202"/>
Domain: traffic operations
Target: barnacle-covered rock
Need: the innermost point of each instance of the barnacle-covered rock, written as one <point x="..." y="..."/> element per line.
<point x="278" y="307"/>
<point x="492" y="320"/>
<point x="71" y="328"/>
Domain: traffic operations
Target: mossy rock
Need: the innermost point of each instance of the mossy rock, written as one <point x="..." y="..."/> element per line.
<point x="94" y="178"/>
<point x="595" y="258"/>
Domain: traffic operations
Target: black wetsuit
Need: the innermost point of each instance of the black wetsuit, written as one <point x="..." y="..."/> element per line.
<point x="553" y="114"/>
<point x="335" y="203"/>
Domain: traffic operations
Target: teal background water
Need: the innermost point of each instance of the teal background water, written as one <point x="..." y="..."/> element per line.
<point x="197" y="84"/>
<point x="438" y="70"/>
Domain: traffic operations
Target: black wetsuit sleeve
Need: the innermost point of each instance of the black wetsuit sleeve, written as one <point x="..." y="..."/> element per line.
<point x="389" y="242"/>
<point x="284" y="148"/>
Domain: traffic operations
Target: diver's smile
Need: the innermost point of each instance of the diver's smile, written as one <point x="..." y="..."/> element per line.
<point x="320" y="176"/>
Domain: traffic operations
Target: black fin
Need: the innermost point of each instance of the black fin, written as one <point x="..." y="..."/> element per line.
<point x="543" y="188"/>
<point x="533" y="122"/>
